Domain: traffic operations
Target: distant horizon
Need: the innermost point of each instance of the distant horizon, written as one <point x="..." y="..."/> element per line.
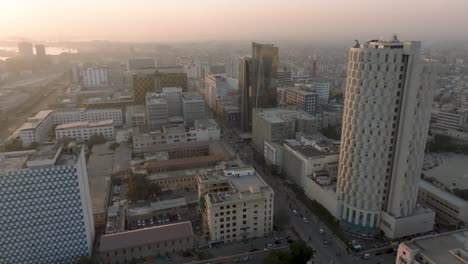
<point x="146" y="21"/>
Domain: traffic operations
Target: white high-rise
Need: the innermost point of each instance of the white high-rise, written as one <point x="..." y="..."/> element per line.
<point x="385" y="123"/>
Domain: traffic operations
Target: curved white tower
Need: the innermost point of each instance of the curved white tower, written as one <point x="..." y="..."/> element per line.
<point x="385" y="124"/>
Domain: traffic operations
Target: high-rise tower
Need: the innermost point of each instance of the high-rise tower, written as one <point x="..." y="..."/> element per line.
<point x="264" y="68"/>
<point x="385" y="123"/>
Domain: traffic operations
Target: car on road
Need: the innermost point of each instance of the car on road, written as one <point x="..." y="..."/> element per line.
<point x="305" y="220"/>
<point x="294" y="211"/>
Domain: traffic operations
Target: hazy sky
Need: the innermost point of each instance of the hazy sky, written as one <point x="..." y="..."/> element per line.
<point x="163" y="20"/>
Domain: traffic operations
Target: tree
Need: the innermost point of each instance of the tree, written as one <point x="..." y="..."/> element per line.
<point x="203" y="255"/>
<point x="299" y="253"/>
<point x="140" y="188"/>
<point x="14" y="145"/>
<point x="96" y="139"/>
<point x="278" y="257"/>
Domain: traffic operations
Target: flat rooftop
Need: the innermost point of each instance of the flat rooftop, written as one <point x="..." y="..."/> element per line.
<point x="442" y="248"/>
<point x="85" y="124"/>
<point x="174" y="129"/>
<point x="447" y="196"/>
<point x="279" y="115"/>
<point x="135" y="238"/>
<point x="36" y="120"/>
<point x="192" y="96"/>
<point x="156" y="206"/>
<point x="205" y="123"/>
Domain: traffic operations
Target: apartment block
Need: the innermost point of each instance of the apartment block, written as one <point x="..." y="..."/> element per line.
<point x="46" y="209"/>
<point x="36" y="129"/>
<point x="241" y="209"/>
<point x="66" y="115"/>
<point x="95" y="77"/>
<point x="82" y="131"/>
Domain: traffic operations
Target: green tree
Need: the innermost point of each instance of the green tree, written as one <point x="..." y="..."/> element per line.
<point x="300" y="252"/>
<point x="96" y="139"/>
<point x="278" y="257"/>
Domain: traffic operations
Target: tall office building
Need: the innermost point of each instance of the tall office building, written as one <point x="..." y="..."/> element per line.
<point x="264" y="70"/>
<point x="45" y="205"/>
<point x="245" y="90"/>
<point x="40" y="51"/>
<point x="25" y="49"/>
<point x="385" y="124"/>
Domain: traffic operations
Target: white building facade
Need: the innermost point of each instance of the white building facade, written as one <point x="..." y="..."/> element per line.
<point x="95" y="77"/>
<point x="83" y="131"/>
<point x="37" y="128"/>
<point x="63" y="116"/>
<point x="385" y="123"/>
<point x="46" y="210"/>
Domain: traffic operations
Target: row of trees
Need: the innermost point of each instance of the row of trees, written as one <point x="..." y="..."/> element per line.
<point x="443" y="143"/>
<point x="140" y="188"/>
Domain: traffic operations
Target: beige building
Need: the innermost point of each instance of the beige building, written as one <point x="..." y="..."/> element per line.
<point x="36" y="129"/>
<point x="451" y="211"/>
<point x="83" y="131"/>
<point x="447" y="248"/>
<point x="238" y="205"/>
<point x="278" y="124"/>
<point x="302" y="159"/>
<point x="134" y="245"/>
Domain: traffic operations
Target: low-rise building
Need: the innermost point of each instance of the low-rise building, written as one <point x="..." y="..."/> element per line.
<point x="202" y="130"/>
<point x="446" y="248"/>
<point x="302" y="159"/>
<point x="83" y="131"/>
<point x="67" y="115"/>
<point x="238" y="205"/>
<point x="156" y="110"/>
<point x="36" y="129"/>
<point x="95" y="77"/>
<point x="273" y="153"/>
<point x="135" y="116"/>
<point x="153" y="241"/>
<point x="451" y="211"/>
<point x="279" y="124"/>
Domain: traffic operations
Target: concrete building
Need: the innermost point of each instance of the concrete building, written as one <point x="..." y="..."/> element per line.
<point x="72" y="115"/>
<point x="202" y="130"/>
<point x="305" y="99"/>
<point x="36" y="129"/>
<point x="216" y="86"/>
<point x="273" y="154"/>
<point x="245" y="92"/>
<point x="278" y="124"/>
<point x="40" y="51"/>
<point x="193" y="107"/>
<point x="184" y="156"/>
<point x="456" y="136"/>
<point x="46" y="208"/>
<point x="82" y="131"/>
<point x="284" y="79"/>
<point x="156" y="80"/>
<point x="242" y="209"/>
<point x="227" y="110"/>
<point x="232" y="66"/>
<point x="443" y="120"/>
<point x="311" y="156"/>
<point x="148" y="242"/>
<point x="446" y="248"/>
<point x="451" y="211"/>
<point x="322" y="88"/>
<point x="95" y="77"/>
<point x="135" y="116"/>
<point x="25" y="49"/>
<point x="156" y="110"/>
<point x="385" y="122"/>
<point x="173" y="96"/>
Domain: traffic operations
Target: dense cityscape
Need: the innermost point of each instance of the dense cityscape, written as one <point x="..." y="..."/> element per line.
<point x="234" y="151"/>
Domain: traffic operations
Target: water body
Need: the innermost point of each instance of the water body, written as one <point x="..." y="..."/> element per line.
<point x="49" y="50"/>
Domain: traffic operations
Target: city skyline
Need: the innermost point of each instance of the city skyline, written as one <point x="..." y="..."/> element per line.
<point x="208" y="20"/>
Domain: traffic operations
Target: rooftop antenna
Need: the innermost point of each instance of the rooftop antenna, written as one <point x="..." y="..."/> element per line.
<point x="357" y="45"/>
